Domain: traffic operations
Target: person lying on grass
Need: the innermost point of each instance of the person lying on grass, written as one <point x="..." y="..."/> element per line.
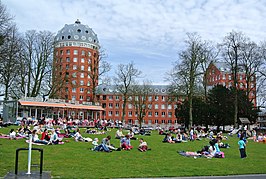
<point x="35" y="138"/>
<point x="104" y="145"/>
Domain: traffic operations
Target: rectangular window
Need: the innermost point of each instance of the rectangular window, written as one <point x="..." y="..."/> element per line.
<point x="110" y="113"/>
<point x="156" y="121"/>
<point x="163" y="114"/>
<point x="80" y="97"/>
<point x="74" y="67"/>
<point x="163" y="121"/>
<point x="82" y="68"/>
<point x="81" y="82"/>
<point x="81" y="90"/>
<point x="61" y="52"/>
<point x="130" y="113"/>
<point x="73" y="98"/>
<point x="110" y="97"/>
<point x="110" y="105"/>
<point x="74" y="90"/>
<point x="150" y="98"/>
<point x="116" y="105"/>
<point x="156" y="114"/>
<point x="67" y="59"/>
<point x="169" y="114"/>
<point x="150" y="114"/>
<point x="82" y="60"/>
<point x="67" y="67"/>
<point x="75" y="59"/>
<point x="117" y="113"/>
<point x="75" y="52"/>
<point x="156" y="98"/>
<point x="81" y="75"/>
<point x="169" y="121"/>
<point x="82" y="52"/>
<point x="156" y="106"/>
<point x="169" y="106"/>
<point x="68" y="52"/>
<point x="162" y="106"/>
<point x="129" y="106"/>
<point x="116" y="97"/>
<point x="163" y="98"/>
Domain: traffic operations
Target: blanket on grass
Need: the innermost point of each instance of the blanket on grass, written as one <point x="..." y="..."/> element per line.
<point x="7" y="137"/>
<point x="33" y="143"/>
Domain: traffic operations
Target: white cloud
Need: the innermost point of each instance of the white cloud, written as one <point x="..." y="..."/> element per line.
<point x="153" y="30"/>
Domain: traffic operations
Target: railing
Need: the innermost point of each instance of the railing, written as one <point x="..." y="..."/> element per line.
<point x="41" y="158"/>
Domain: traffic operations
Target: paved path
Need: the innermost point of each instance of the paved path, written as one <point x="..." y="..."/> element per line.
<point x="255" y="176"/>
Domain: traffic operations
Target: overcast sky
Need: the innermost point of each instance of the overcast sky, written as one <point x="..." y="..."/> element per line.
<point x="148" y="32"/>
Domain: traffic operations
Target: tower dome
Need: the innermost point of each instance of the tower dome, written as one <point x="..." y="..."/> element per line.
<point x="77" y="32"/>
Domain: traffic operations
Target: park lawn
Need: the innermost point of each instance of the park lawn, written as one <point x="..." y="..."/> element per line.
<point x="76" y="160"/>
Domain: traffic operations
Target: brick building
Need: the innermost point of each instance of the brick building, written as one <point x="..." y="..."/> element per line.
<point x="220" y="73"/>
<point x="161" y="109"/>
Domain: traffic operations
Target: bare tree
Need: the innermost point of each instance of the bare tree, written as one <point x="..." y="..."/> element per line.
<point x="184" y="75"/>
<point x="9" y="66"/>
<point x="124" y="79"/>
<point x="232" y="53"/>
<point x="5" y="20"/>
<point x="37" y="60"/>
<point x="141" y="100"/>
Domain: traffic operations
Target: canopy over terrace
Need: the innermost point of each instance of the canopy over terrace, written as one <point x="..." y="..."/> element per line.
<point x="30" y="107"/>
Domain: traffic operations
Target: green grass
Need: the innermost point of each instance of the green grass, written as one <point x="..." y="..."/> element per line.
<point x="76" y="160"/>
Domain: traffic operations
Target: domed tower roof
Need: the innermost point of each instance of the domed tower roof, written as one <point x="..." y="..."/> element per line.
<point x="77" y="32"/>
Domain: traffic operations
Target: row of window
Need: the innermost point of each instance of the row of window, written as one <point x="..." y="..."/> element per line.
<point x="229" y="77"/>
<point x="130" y="106"/>
<point x="156" y="98"/>
<point x="76" y="44"/>
<point x="130" y="114"/>
<point x="75" y="59"/>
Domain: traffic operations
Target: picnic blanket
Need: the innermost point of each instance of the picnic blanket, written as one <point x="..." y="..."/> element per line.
<point x="7" y="137"/>
<point x="33" y="143"/>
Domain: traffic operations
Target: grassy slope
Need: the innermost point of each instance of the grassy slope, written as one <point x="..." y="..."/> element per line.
<point x="75" y="160"/>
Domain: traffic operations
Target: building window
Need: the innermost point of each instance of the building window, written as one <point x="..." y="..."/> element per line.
<point x="67" y="59"/>
<point x="68" y="52"/>
<point x="163" y="121"/>
<point x="156" y="121"/>
<point x="82" y="68"/>
<point x="89" y="68"/>
<point x="89" y="54"/>
<point x="74" y="67"/>
<point x="81" y="75"/>
<point x="73" y="98"/>
<point x="130" y="113"/>
<point x="75" y="52"/>
<point x="156" y="98"/>
<point x="149" y="106"/>
<point x="81" y="82"/>
<point x="80" y="97"/>
<point x="82" y="52"/>
<point x="110" y="105"/>
<point x="129" y="106"/>
<point x="156" y="106"/>
<point x="82" y="60"/>
<point x="74" y="82"/>
<point x="163" y="114"/>
<point x="75" y="59"/>
<point x="74" y="75"/>
<point x="116" y="105"/>
<point x="169" y="121"/>
<point x="163" y="106"/>
<point x="81" y="90"/>
<point x="117" y="113"/>
<point x="74" y="90"/>
<point x="163" y="98"/>
<point x="89" y="83"/>
<point x="110" y="113"/>
<point x="116" y="97"/>
<point x="156" y="114"/>
<point x="176" y="121"/>
<point x="169" y="114"/>
<point x="150" y="114"/>
<point x="223" y="76"/>
<point x="229" y="77"/>
<point x="67" y="67"/>
<point x="150" y="98"/>
<point x="61" y="52"/>
<point x="110" y="97"/>
<point x="169" y="106"/>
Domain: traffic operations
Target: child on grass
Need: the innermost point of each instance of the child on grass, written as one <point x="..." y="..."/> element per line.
<point x="242" y="147"/>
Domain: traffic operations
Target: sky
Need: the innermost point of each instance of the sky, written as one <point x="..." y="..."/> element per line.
<point x="150" y="33"/>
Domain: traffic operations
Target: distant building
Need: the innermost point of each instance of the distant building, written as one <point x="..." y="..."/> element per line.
<point x="219" y="73"/>
<point x="76" y="61"/>
<point x="161" y="109"/>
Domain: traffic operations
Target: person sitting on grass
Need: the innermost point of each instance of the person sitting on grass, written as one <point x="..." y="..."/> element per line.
<point x="143" y="146"/>
<point x="45" y="135"/>
<point x="94" y="143"/>
<point x="54" y="139"/>
<point x="168" y="139"/>
<point x="12" y="134"/>
<point x="131" y="135"/>
<point x="125" y="143"/>
<point x="104" y="145"/>
<point x="35" y="138"/>
<point x="119" y="134"/>
<point x="78" y="136"/>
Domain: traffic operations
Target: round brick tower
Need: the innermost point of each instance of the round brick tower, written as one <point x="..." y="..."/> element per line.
<point x="76" y="63"/>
